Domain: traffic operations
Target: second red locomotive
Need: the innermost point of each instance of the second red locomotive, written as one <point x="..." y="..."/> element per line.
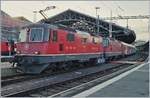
<point x="7" y="47"/>
<point x="43" y="46"/>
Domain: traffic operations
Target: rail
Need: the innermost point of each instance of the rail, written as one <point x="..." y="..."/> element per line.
<point x="58" y="83"/>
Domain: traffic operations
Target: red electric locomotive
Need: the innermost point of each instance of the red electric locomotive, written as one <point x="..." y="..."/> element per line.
<point x="4" y="48"/>
<point x="43" y="46"/>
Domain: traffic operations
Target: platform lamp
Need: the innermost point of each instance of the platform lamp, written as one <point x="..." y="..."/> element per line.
<point x="97" y="20"/>
<point x="110" y="25"/>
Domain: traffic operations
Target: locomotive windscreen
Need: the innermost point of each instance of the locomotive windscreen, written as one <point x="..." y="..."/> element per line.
<point x="36" y="34"/>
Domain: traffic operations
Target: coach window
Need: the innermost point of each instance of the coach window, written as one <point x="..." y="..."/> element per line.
<point x="70" y="37"/>
<point x="55" y="33"/>
<point x="83" y="40"/>
<point x="94" y="41"/>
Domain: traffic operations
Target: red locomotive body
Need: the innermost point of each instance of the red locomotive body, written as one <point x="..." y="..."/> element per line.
<point x="61" y="42"/>
<point x="42" y="45"/>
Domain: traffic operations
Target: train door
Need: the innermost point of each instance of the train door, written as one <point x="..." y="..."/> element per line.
<point x="61" y="42"/>
<point x="58" y="40"/>
<point x="54" y="46"/>
<point x="71" y="42"/>
<point x="105" y="43"/>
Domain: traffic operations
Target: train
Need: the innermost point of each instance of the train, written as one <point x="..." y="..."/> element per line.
<point x="45" y="46"/>
<point x="7" y="48"/>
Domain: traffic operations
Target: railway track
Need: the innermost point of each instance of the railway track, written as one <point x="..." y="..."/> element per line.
<point x="84" y="83"/>
<point x="21" y="77"/>
<point x="95" y="81"/>
<point x="47" y="86"/>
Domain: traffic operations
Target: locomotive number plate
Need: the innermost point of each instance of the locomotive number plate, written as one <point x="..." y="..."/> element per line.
<point x="26" y="46"/>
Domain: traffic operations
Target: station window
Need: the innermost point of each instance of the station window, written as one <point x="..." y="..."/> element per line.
<point x="70" y="37"/>
<point x="54" y="36"/>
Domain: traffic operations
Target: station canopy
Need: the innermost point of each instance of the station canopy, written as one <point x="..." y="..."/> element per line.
<point x="80" y="21"/>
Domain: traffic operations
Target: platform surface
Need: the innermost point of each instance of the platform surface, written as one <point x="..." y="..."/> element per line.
<point x="6" y="65"/>
<point x="7" y="69"/>
<point x="135" y="84"/>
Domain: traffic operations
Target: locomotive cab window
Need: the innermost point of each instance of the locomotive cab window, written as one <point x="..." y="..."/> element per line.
<point x="23" y="35"/>
<point x="55" y="34"/>
<point x="70" y="37"/>
<point x="83" y="40"/>
<point x="46" y="35"/>
<point x="36" y="34"/>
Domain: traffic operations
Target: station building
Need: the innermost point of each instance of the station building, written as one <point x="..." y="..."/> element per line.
<point x="10" y="26"/>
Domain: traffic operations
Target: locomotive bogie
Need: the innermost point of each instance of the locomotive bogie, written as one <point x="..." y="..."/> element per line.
<point x="28" y="62"/>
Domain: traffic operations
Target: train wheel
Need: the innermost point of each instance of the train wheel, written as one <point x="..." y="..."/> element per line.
<point x="100" y="61"/>
<point x="62" y="66"/>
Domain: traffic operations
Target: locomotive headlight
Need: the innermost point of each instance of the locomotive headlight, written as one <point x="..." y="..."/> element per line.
<point x="37" y="52"/>
<point x="18" y="52"/>
<point x="15" y="49"/>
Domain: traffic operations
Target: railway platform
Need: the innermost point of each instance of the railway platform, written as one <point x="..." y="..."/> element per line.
<point x="7" y="69"/>
<point x="133" y="83"/>
<point x="7" y="58"/>
<point x="6" y="65"/>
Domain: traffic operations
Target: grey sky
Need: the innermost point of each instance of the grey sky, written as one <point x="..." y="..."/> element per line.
<point x="26" y="8"/>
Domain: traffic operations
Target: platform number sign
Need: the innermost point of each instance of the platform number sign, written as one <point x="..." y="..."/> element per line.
<point x="105" y="42"/>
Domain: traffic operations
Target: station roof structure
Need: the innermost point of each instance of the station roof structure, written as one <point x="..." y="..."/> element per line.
<point x="80" y="21"/>
<point x="142" y="45"/>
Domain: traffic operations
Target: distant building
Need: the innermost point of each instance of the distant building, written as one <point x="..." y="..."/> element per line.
<point x="10" y="26"/>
